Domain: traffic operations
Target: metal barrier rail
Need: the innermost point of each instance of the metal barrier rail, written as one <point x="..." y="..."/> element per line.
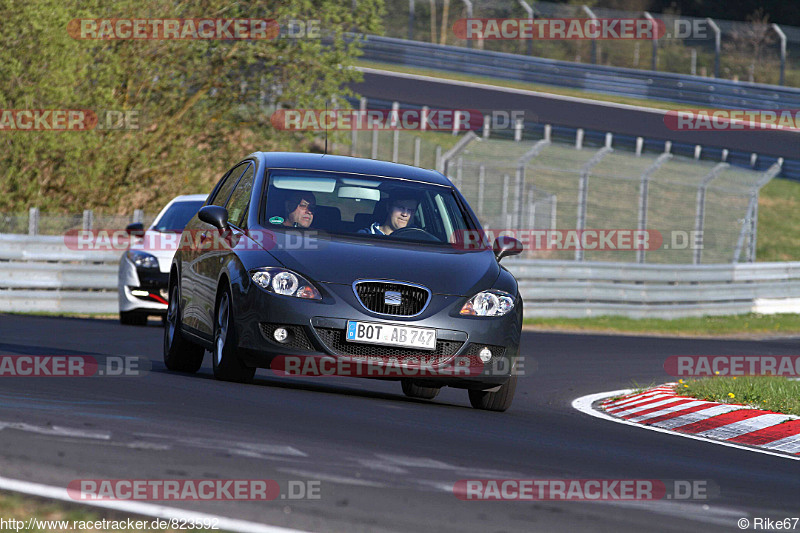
<point x="41" y="274"/>
<point x="681" y="88"/>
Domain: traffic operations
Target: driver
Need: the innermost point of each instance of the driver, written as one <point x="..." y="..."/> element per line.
<point x="401" y="210"/>
<point x="300" y="207"/>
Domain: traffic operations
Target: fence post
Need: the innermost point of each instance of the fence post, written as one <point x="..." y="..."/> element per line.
<point x="519" y="179"/>
<point x="654" y="60"/>
<point x="529" y="10"/>
<point x="504" y="208"/>
<point x="717" y="45"/>
<point x="594" y="41"/>
<point x="374" y="153"/>
<point x="481" y="188"/>
<point x="700" y="213"/>
<point x="531" y="209"/>
<point x="579" y="139"/>
<point x="138" y="216"/>
<point x="33" y="221"/>
<point x="88" y="219"/>
<point x="583" y="194"/>
<point x="487" y="121"/>
<point x="782" y="37"/>
<point x="751" y="224"/>
<point x="417" y="143"/>
<point x="438" y="160"/>
<point x="410" y="20"/>
<point x="553" y="210"/>
<point x="518" y="130"/>
<point x="455" y="150"/>
<point x="643" y="186"/>
<point x="468" y="5"/>
<point x="639" y="146"/>
<point x="459" y="167"/>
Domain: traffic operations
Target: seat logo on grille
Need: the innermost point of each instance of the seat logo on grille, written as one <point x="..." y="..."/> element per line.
<point x="392" y="298"/>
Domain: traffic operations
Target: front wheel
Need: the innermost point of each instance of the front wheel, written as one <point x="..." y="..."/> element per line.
<point x="179" y="354"/>
<point x="227" y="364"/>
<point x="412" y="390"/>
<point x="494" y="401"/>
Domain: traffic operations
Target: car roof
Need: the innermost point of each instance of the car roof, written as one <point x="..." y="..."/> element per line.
<point x="356" y="165"/>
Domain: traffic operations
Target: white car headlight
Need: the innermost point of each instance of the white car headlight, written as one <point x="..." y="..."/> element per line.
<point x="284" y="282"/>
<point x="488" y="303"/>
<point x="142" y="259"/>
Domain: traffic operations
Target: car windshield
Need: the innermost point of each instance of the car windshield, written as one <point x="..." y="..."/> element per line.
<point x="178" y="215"/>
<point x="369" y="207"/>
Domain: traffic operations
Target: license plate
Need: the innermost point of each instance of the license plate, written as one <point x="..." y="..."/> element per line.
<point x="391" y="335"/>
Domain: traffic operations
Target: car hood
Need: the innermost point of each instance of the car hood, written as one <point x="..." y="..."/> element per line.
<point x="442" y="270"/>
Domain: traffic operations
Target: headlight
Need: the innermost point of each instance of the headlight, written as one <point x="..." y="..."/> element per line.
<point x="142" y="259"/>
<point x="285" y="282"/>
<point x="488" y="303"/>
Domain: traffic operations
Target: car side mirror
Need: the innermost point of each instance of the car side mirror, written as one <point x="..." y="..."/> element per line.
<point x="505" y="246"/>
<point x="135" y="230"/>
<point x="215" y="215"/>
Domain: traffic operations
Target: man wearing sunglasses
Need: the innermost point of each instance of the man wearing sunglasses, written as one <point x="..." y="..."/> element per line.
<point x="300" y="207"/>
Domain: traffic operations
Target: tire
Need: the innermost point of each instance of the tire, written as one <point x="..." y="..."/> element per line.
<point x="494" y="401"/>
<point x="132" y="318"/>
<point x="412" y="390"/>
<point x="227" y="364"/>
<point x="180" y="355"/>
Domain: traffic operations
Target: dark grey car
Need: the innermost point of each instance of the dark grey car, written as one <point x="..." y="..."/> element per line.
<point x="305" y="262"/>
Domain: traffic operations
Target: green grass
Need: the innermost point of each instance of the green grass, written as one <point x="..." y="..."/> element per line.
<point x="751" y="324"/>
<point x="778" y="220"/>
<point x="20" y="507"/>
<point x="771" y="393"/>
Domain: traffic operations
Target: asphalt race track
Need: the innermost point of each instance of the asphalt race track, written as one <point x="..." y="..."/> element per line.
<point x="384" y="462"/>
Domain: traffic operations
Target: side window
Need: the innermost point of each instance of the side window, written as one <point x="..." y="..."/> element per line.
<point x="224" y="190"/>
<point x="240" y="199"/>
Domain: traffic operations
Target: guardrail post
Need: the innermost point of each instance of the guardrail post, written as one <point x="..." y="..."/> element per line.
<point x="518" y="130"/>
<point x="88" y="219"/>
<point x="138" y="216"/>
<point x="654" y="60"/>
<point x="583" y="194"/>
<point x="639" y="146"/>
<point x="33" y="221"/>
<point x="643" y="186"/>
<point x="782" y="37"/>
<point x="700" y="213"/>
<point x="417" y="146"/>
<point x="717" y="45"/>
<point x="594" y="41"/>
<point x="579" y="139"/>
<point x="548" y="131"/>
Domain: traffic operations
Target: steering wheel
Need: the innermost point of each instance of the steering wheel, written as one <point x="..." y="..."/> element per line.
<point x="414" y="233"/>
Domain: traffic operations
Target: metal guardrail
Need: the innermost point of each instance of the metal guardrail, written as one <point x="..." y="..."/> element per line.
<point x="681" y="88"/>
<point x="41" y="274"/>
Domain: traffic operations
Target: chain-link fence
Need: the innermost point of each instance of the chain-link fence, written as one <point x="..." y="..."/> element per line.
<point x="747" y="51"/>
<point x="35" y="223"/>
<point x="694" y="211"/>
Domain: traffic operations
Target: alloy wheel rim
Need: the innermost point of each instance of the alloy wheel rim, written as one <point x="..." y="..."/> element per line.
<point x="172" y="315"/>
<point x="222" y="327"/>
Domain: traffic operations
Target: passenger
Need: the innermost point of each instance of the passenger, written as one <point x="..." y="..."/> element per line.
<point x="401" y="210"/>
<point x="300" y="207"/>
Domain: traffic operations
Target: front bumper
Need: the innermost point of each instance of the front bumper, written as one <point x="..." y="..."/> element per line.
<point x="153" y="282"/>
<point x="317" y="329"/>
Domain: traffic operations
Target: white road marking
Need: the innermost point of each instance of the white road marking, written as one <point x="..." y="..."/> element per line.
<point x="584" y="405"/>
<point x="786" y="444"/>
<point x="141" y="508"/>
<point x="56" y="431"/>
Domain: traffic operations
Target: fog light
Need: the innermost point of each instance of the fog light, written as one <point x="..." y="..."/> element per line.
<point x="281" y="334"/>
<point x="485" y="355"/>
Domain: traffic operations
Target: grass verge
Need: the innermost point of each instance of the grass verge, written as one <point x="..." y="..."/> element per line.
<point x="751" y="324"/>
<point x="19" y="507"/>
<point x="771" y="393"/>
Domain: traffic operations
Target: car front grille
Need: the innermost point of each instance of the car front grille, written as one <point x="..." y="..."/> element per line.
<point x="334" y="340"/>
<point x="372" y="295"/>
